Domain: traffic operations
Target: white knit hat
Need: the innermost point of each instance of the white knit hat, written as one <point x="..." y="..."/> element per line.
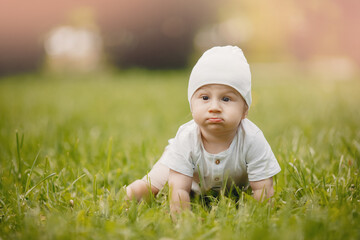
<point x="222" y="65"/>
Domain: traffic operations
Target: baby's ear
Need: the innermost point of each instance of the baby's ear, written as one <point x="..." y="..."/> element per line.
<point x="246" y="111"/>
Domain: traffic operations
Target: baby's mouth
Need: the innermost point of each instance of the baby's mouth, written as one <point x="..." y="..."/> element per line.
<point x="215" y="120"/>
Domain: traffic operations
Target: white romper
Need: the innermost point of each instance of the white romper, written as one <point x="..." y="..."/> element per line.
<point x="249" y="158"/>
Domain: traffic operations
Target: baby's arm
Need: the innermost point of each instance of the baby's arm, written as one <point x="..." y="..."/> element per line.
<point x="262" y="189"/>
<point x="180" y="186"/>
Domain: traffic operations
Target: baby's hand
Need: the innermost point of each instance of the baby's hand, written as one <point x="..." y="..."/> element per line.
<point x="263" y="189"/>
<point x="180" y="186"/>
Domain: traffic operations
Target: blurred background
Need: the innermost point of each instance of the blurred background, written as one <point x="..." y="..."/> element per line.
<point x="318" y="36"/>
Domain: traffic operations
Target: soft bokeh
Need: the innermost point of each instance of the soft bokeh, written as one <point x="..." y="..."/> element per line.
<point x="319" y="36"/>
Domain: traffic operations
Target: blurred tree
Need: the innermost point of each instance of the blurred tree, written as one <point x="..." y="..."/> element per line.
<point x="153" y="34"/>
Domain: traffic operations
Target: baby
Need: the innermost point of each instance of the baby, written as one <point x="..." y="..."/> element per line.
<point x="220" y="146"/>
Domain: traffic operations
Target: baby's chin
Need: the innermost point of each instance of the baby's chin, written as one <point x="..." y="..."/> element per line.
<point x="217" y="128"/>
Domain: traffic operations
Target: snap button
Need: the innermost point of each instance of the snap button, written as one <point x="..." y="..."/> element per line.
<point x="217" y="161"/>
<point x="216" y="179"/>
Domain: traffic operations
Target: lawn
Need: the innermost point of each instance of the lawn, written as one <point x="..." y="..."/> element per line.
<point x="69" y="143"/>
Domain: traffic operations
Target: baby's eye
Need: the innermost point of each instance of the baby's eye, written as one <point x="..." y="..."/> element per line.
<point x="226" y="99"/>
<point x="205" y="98"/>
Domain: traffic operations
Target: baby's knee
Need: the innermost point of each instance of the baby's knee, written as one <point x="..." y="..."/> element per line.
<point x="135" y="187"/>
<point x="139" y="189"/>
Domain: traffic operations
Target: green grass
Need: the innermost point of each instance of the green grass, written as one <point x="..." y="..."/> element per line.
<point x="68" y="144"/>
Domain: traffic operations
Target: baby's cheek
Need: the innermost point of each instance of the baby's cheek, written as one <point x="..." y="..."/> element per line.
<point x="195" y="116"/>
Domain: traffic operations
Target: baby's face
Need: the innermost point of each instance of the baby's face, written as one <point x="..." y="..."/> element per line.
<point x="218" y="108"/>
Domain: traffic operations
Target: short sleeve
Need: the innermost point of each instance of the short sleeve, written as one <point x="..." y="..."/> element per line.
<point x="177" y="154"/>
<point x="260" y="160"/>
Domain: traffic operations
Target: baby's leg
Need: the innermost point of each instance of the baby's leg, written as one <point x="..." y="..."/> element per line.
<point x="140" y="190"/>
<point x="154" y="181"/>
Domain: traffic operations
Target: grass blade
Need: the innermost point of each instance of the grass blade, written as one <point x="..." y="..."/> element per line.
<point x="18" y="147"/>
<point x="108" y="163"/>
<point x="72" y="184"/>
<point x="42" y="180"/>
<point x="95" y="189"/>
<point x="31" y="170"/>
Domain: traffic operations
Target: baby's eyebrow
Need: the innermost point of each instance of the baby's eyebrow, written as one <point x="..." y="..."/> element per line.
<point x="230" y="92"/>
<point x="201" y="91"/>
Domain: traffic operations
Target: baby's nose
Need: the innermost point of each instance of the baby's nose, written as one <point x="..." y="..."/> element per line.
<point x="214" y="106"/>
